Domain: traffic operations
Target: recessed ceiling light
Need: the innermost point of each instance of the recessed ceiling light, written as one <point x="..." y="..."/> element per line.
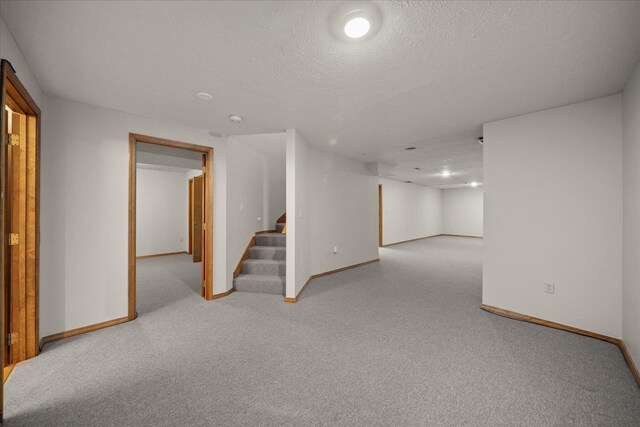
<point x="445" y="173"/>
<point x="235" y="118"/>
<point x="357" y="27"/>
<point x="205" y="96"/>
<point x="410" y="148"/>
<point x="418" y="169"/>
<point x="332" y="141"/>
<point x="474" y="184"/>
<point x="409" y="182"/>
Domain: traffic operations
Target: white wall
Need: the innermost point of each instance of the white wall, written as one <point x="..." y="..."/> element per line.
<point x="245" y="173"/>
<point x="462" y="210"/>
<point x="409" y="211"/>
<point x="553" y="213"/>
<point x="10" y="51"/>
<point x="631" y="216"/>
<point x="85" y="157"/>
<point x="331" y="201"/>
<point x="344" y="212"/>
<point x="298" y="210"/>
<point x="273" y="147"/>
<point x="162" y="211"/>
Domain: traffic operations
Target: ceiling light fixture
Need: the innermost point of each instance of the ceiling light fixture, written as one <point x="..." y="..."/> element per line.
<point x="474" y="184"/>
<point x="332" y="141"/>
<point x="235" y="118"/>
<point x="445" y="173"/>
<point x="205" y="96"/>
<point x="357" y="27"/>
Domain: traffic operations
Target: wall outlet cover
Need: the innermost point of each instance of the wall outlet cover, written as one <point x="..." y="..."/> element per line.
<point x="550" y="288"/>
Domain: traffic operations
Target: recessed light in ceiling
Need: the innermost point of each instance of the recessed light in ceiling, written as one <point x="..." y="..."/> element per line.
<point x="410" y="148"/>
<point x="205" y="96"/>
<point x="332" y="141"/>
<point x="445" y="173"/>
<point x="235" y="118"/>
<point x="475" y="184"/>
<point x="409" y="182"/>
<point x="418" y="169"/>
<point x="357" y="27"/>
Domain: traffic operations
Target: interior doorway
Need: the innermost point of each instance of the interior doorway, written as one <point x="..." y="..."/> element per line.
<point x="19" y="221"/>
<point x="201" y="211"/>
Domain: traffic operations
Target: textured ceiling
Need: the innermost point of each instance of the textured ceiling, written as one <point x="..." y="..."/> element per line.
<point x="459" y="154"/>
<point x="432" y="69"/>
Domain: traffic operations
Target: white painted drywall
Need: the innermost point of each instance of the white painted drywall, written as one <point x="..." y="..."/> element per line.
<point x="631" y="216"/>
<point x="343" y="212"/>
<point x="410" y="211"/>
<point x="273" y="147"/>
<point x="553" y="213"/>
<point x="10" y="51"/>
<point x="462" y="211"/>
<point x="162" y="203"/>
<point x="85" y="158"/>
<point x="245" y="173"/>
<point x="298" y="214"/>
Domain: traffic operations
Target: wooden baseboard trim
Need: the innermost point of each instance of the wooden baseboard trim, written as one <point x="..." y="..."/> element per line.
<point x="566" y="328"/>
<point x="632" y="366"/>
<point x="7" y="371"/>
<point x="82" y="330"/>
<point x="428" y="237"/>
<point x="164" y="254"/>
<point x="244" y="257"/>
<point x="410" y="240"/>
<point x="266" y="232"/>
<point x="548" y="323"/>
<point x="222" y="295"/>
<point x="326" y="273"/>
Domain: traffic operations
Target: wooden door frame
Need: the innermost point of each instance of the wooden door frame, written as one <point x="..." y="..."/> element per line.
<point x="379" y="215"/>
<point x="208" y="159"/>
<point x="190" y="216"/>
<point x="12" y="89"/>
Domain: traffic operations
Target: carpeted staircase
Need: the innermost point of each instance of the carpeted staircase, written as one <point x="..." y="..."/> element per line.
<point x="265" y="270"/>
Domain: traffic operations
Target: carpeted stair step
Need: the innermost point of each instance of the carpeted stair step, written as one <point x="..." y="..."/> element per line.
<point x="271" y="239"/>
<point x="265" y="267"/>
<point x="280" y="227"/>
<point x="268" y="252"/>
<point x="259" y="283"/>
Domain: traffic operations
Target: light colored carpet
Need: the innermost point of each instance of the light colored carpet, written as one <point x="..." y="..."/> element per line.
<point x="400" y="342"/>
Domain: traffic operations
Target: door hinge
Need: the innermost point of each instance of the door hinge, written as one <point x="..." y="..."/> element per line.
<point x="12" y="338"/>
<point x="14" y="239"/>
<point x="14" y="139"/>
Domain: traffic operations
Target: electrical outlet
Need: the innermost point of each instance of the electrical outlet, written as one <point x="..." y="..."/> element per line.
<point x="335" y="250"/>
<point x="550" y="288"/>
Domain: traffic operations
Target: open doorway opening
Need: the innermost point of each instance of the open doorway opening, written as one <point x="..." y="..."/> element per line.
<point x="19" y="221"/>
<point x="170" y="221"/>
